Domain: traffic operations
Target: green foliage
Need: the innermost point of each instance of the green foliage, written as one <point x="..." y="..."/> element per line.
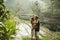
<point x="4" y="13"/>
<point x="8" y="30"/>
<point x="2" y="9"/>
<point x="3" y="32"/>
<point x="10" y="25"/>
<point x="7" y="27"/>
<point x="1" y="1"/>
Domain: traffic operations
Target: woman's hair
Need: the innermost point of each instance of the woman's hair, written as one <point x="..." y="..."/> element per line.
<point x="32" y="18"/>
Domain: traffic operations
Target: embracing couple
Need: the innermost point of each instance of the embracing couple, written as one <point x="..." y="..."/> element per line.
<point x="35" y="27"/>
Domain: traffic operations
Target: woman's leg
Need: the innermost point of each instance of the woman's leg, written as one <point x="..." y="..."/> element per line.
<point x="31" y="33"/>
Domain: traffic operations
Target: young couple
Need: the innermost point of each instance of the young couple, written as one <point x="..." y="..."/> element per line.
<point x="35" y="26"/>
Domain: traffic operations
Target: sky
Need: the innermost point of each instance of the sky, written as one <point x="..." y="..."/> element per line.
<point x="25" y="4"/>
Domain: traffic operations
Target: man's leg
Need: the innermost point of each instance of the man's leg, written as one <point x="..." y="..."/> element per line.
<point x="36" y="35"/>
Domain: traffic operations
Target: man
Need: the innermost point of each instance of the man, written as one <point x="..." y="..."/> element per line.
<point x="35" y="26"/>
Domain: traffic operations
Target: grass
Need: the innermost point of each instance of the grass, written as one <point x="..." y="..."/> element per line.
<point x="26" y="38"/>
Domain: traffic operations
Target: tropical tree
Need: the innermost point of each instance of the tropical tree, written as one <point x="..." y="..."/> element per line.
<point x="3" y="11"/>
<point x="35" y="8"/>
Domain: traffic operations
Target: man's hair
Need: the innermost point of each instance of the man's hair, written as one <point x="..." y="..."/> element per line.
<point x="36" y="17"/>
<point x="32" y="18"/>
